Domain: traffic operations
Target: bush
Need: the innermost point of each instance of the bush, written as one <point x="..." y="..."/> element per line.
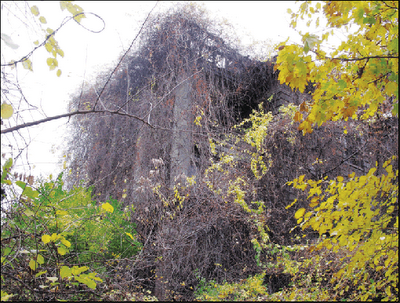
<point x="50" y="237"/>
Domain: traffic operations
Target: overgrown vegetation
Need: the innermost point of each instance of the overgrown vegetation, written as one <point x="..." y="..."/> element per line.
<point x="224" y="188"/>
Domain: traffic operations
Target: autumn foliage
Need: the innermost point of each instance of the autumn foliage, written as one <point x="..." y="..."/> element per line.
<point x="358" y="80"/>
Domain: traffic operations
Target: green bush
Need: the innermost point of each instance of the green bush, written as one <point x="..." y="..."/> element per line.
<point x="51" y="238"/>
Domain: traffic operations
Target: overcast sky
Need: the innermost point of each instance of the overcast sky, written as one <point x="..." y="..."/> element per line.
<point x="87" y="53"/>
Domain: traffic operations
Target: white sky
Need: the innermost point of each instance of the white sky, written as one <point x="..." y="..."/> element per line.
<point x="87" y="53"/>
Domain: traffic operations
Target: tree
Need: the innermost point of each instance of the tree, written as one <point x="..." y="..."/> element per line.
<point x="358" y="80"/>
<point x="31" y="209"/>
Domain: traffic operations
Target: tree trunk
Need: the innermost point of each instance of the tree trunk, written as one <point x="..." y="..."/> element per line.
<point x="181" y="145"/>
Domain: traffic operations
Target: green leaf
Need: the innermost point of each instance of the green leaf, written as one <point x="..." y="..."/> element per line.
<point x="6" y="251"/>
<point x="30" y="193"/>
<point x="8" y="163"/>
<point x="21" y="184"/>
<point x="395" y="110"/>
<point x="59" y="73"/>
<point x="6" y="111"/>
<point x="369" y="20"/>
<point x="342" y="84"/>
<point x="35" y="10"/>
<point x="393" y="46"/>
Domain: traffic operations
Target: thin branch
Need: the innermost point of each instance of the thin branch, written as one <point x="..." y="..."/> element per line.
<point x="84" y="112"/>
<point x="123" y="57"/>
<point x="363" y="58"/>
<point x="52" y="34"/>
<point x="344" y="160"/>
<point x="357" y="59"/>
<point x="168" y="93"/>
<point x="78" y="112"/>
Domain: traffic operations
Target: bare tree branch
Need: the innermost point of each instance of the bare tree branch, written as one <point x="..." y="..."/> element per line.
<point x="122" y="58"/>
<point x="78" y="112"/>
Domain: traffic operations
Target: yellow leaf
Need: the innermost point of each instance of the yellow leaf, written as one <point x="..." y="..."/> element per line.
<point x="63" y="5"/>
<point x="40" y="259"/>
<point x="46" y="239"/>
<point x="107" y="207"/>
<point x="35" y="10"/>
<point x="60" y="52"/>
<point x="65" y="271"/>
<point x="299" y="213"/>
<point x="314" y="202"/>
<point x="52" y="63"/>
<point x="58" y="75"/>
<point x="27" y="64"/>
<point x="130" y="236"/>
<point x="6" y="111"/>
<point x="66" y="242"/>
<point x="33" y="264"/>
<point x="62" y="250"/>
<point x="42" y="19"/>
<point x="61" y="212"/>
